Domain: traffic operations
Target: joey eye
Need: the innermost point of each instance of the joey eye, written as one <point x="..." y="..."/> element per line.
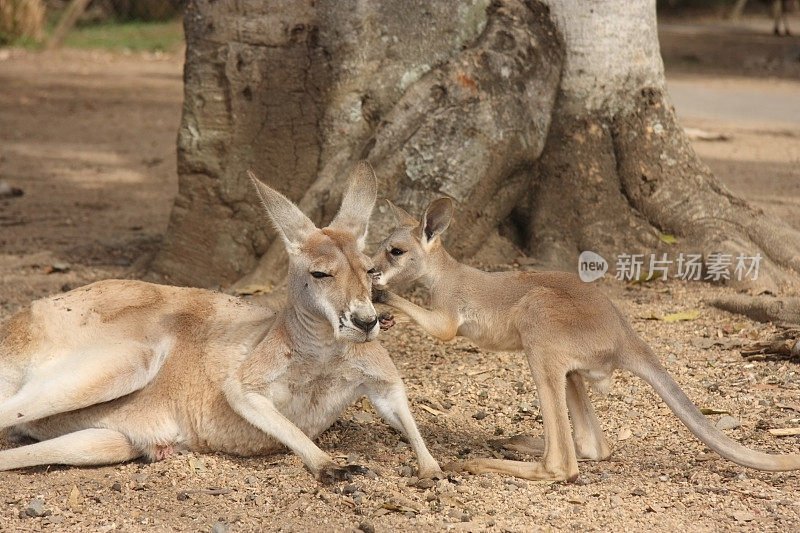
<point x="396" y="252"/>
<point x="318" y="275"/>
<point x="372" y="271"/>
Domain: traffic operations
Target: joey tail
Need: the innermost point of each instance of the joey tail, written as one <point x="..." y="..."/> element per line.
<point x="646" y="366"/>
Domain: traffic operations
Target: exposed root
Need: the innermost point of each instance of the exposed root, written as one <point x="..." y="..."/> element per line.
<point x="761" y="308"/>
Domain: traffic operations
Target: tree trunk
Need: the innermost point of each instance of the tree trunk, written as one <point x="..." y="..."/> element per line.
<point x="548" y="124"/>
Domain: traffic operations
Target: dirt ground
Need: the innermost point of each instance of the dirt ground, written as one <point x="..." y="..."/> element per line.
<point x="90" y="138"/>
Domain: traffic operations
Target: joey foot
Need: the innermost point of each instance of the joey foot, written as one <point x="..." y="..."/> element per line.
<point x="332" y="473"/>
<point x="386" y="320"/>
<point x="431" y="473"/>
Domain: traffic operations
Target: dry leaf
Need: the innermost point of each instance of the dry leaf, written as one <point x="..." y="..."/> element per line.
<point x="197" y="465"/>
<point x="712" y="411"/>
<point x="785" y="432"/>
<point x="398" y="507"/>
<point x="74" y="500"/>
<point x="431" y="410"/>
<point x="248" y="290"/>
<point x="676" y="317"/>
<point x="669" y="239"/>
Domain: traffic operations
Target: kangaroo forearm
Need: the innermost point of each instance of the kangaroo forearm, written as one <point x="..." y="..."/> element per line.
<point x="435" y="322"/>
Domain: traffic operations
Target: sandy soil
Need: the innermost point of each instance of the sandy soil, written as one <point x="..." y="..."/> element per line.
<point x="90" y="139"/>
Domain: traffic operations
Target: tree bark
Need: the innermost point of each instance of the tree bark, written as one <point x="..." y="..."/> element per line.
<point x="548" y="123"/>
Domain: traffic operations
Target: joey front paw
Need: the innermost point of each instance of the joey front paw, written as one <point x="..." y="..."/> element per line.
<point x="334" y="473"/>
<point x="386" y="320"/>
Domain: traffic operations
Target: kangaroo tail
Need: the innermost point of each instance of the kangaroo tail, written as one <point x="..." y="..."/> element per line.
<point x="650" y="369"/>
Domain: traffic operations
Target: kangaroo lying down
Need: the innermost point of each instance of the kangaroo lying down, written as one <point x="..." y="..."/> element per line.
<point x="568" y="329"/>
<point x="122" y="369"/>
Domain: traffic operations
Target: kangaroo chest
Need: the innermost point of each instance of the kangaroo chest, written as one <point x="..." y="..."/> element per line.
<point x="313" y="395"/>
<point x="489" y="332"/>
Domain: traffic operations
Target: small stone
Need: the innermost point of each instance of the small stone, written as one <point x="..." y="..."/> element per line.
<point x="728" y="422"/>
<point x="220" y="527"/>
<point x="743" y="516"/>
<point x="352" y="458"/>
<point x="250" y="480"/>
<point x="604" y="476"/>
<point x="35" y="508"/>
<point x="638" y="491"/>
<point x="350" y="488"/>
<point x="405" y="471"/>
<point x="117" y="486"/>
<point x="366" y="527"/>
<point x="140" y="478"/>
<point x="741" y="476"/>
<point x="480" y="415"/>
<point x="425" y="483"/>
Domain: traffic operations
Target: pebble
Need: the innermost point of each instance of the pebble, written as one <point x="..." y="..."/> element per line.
<point x="35" y="508"/>
<point x="117" y="486"/>
<point x="405" y="471"/>
<point x="425" y="483"/>
<point x="220" y="527"/>
<point x="366" y="527"/>
<point x="480" y="415"/>
<point x="250" y="480"/>
<point x="728" y="422"/>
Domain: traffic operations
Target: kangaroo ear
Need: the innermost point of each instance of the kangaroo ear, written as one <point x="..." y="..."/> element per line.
<point x="292" y="225"/>
<point x="402" y="216"/>
<point x="436" y="218"/>
<point x="357" y="203"/>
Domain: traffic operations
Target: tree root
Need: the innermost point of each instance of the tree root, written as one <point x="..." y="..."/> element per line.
<point x="465" y="129"/>
<point x="761" y="308"/>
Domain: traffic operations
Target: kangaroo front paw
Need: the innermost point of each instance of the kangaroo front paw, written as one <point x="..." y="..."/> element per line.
<point x="334" y="473"/>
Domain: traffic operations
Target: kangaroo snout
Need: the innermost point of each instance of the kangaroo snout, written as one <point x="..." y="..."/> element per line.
<point x="365" y="324"/>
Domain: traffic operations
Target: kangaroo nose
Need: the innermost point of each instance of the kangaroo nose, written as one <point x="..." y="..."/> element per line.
<point x="366" y="325"/>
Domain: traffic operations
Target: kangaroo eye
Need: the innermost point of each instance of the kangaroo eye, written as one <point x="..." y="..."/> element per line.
<point x="396" y="251"/>
<point x="372" y="271"/>
<point x="317" y="274"/>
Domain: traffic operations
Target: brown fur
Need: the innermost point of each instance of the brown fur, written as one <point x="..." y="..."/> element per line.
<point x="121" y="369"/>
<point x="568" y="329"/>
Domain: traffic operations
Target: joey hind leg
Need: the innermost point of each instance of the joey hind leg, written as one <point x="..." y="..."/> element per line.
<point x="86" y="447"/>
<point x="590" y="442"/>
<point x="391" y="403"/>
<point x="559" y="461"/>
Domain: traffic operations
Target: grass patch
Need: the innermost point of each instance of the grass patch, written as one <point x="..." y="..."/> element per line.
<point x="135" y="36"/>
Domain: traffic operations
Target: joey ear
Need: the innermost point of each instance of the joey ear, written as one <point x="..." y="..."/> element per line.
<point x="292" y="225"/>
<point x="357" y="202"/>
<point x="402" y="216"/>
<point x="436" y="218"/>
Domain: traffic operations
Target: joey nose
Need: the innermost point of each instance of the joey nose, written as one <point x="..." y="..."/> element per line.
<point x="367" y="324"/>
